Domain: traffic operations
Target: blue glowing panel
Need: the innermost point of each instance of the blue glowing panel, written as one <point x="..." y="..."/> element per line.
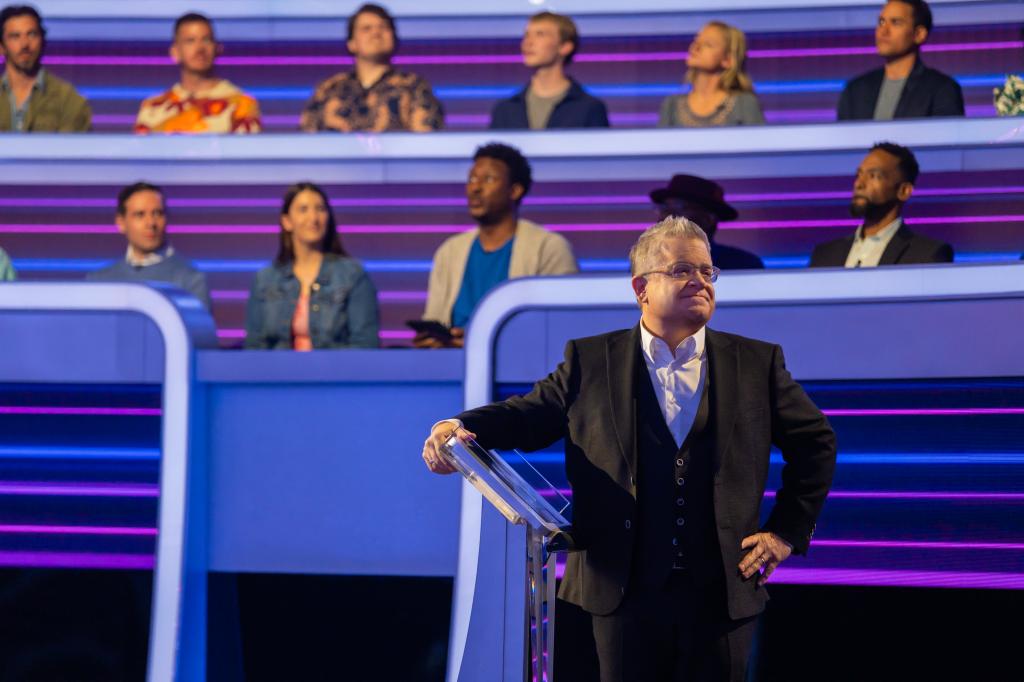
<point x="79" y="475"/>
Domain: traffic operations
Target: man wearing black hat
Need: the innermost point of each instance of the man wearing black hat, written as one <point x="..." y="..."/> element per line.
<point x="703" y="202"/>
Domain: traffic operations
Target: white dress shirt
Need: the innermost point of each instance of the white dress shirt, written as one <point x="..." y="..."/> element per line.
<point x="158" y="256"/>
<point x="867" y="251"/>
<point x="677" y="378"/>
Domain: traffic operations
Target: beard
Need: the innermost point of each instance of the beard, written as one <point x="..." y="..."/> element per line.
<point x="865" y="208"/>
<point x="26" y="63"/>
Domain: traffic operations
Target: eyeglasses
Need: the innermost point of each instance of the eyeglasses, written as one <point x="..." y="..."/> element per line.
<point x="686" y="271"/>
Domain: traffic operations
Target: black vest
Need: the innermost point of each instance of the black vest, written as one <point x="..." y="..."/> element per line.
<point x="675" y="504"/>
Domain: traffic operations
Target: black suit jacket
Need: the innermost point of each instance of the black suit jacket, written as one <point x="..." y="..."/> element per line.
<point x="589" y="400"/>
<point x="927" y="93"/>
<point x="905" y="248"/>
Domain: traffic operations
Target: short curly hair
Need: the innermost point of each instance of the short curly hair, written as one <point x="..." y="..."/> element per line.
<point x="519" y="171"/>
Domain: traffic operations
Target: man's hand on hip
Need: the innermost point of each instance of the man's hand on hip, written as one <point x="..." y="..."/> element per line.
<point x="765" y="551"/>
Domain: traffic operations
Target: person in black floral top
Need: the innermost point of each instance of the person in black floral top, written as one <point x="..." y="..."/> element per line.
<point x="374" y="96"/>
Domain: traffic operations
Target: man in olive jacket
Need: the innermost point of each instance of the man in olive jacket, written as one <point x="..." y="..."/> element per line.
<point x="668" y="428"/>
<point x="31" y="98"/>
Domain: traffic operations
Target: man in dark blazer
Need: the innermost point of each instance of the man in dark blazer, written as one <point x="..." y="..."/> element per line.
<point x="904" y="87"/>
<point x="668" y="428"/>
<point x="885" y="180"/>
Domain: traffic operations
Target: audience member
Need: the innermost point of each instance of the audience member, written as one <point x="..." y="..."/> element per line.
<point x="721" y="92"/>
<point x="35" y="100"/>
<point x="904" y="87"/>
<point x="884" y="183"/>
<point x="374" y="96"/>
<point x="7" y="273"/>
<point x="201" y="102"/>
<point x="503" y="246"/>
<point x="551" y="99"/>
<point x="703" y="202"/>
<point x="314" y="295"/>
<point x="142" y="219"/>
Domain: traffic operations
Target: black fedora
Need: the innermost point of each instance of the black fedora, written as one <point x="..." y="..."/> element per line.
<point x="708" y="194"/>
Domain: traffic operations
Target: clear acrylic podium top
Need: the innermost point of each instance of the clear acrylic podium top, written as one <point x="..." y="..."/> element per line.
<point x="513" y="490"/>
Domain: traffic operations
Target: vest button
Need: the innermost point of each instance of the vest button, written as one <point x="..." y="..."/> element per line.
<point x="679" y="462"/>
<point x="680" y="481"/>
<point x="629" y="524"/>
<point x="315" y="307"/>
<point x="315" y="286"/>
<point x="680" y="502"/>
<point x="680" y="521"/>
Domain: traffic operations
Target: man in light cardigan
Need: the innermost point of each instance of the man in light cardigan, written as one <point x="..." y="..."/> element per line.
<point x="503" y="246"/>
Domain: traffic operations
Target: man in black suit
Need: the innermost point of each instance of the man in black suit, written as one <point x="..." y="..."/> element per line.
<point x="703" y="202"/>
<point x="884" y="183"/>
<point x="667" y="429"/>
<point x="904" y="87"/>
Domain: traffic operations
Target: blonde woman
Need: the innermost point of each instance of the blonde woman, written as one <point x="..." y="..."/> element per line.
<point x="721" y="92"/>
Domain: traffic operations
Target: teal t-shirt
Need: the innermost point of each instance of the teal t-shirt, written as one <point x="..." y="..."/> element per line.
<point x="484" y="271"/>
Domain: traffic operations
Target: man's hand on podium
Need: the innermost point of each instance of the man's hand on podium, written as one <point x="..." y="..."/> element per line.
<point x="439" y="435"/>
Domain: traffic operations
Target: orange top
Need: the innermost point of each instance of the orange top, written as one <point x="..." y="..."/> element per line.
<point x="300" y="323"/>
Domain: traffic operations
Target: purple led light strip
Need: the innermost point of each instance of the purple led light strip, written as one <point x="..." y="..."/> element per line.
<point x="445" y="59"/>
<point x="884" y="495"/>
<point x="392" y="296"/>
<point x="418" y="202"/>
<point x="906" y="544"/>
<point x="84" y="411"/>
<point x="78" y="489"/>
<point x="38" y="529"/>
<point x="76" y="560"/>
<point x="67" y="228"/>
<point x="927" y="412"/>
<point x="916" y="495"/>
<point x="883" y="578"/>
<point x="391" y="334"/>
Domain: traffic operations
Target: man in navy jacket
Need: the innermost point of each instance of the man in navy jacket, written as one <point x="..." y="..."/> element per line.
<point x="904" y="87"/>
<point x="551" y="99"/>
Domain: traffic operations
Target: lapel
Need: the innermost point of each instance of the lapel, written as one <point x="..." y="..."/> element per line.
<point x="621" y="362"/>
<point x="913" y="80"/>
<point x="841" y="249"/>
<point x="874" y="88"/>
<point x="897" y="245"/>
<point x="724" y="374"/>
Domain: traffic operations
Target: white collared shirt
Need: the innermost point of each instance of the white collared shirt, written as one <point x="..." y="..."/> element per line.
<point x="677" y="378"/>
<point x="149" y="259"/>
<point x="867" y="251"/>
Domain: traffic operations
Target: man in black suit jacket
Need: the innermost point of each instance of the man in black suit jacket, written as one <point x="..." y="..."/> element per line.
<point x="668" y="428"/>
<point x="885" y="180"/>
<point x="904" y="87"/>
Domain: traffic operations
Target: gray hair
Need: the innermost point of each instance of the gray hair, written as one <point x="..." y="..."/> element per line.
<point x="643" y="256"/>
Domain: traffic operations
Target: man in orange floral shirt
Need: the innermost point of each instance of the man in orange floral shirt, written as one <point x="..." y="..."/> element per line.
<point x="201" y="102"/>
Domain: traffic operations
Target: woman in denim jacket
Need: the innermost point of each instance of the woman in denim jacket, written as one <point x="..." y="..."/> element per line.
<point x="314" y="295"/>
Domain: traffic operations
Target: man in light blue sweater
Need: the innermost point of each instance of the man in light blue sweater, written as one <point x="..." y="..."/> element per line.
<point x="142" y="219"/>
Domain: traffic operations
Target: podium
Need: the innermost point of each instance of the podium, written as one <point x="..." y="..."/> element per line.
<point x="514" y="488"/>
